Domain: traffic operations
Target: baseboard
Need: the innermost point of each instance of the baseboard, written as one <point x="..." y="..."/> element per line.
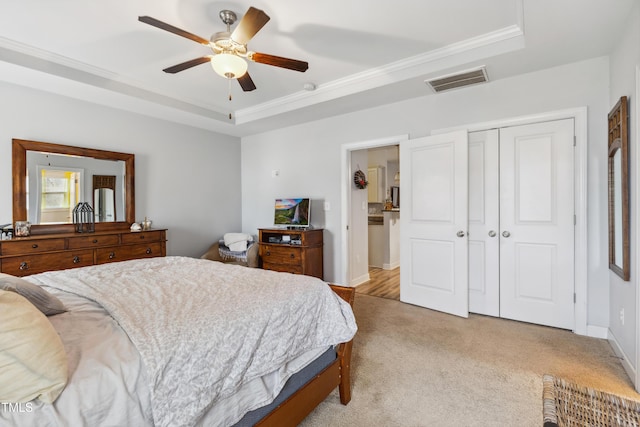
<point x="360" y="280"/>
<point x="391" y="265"/>
<point x="626" y="363"/>
<point x="597" y="332"/>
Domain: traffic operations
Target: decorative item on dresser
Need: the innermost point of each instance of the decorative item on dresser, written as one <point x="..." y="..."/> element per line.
<point x="297" y="251"/>
<point x="37" y="254"/>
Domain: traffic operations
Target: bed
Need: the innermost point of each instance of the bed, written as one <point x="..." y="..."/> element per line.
<point x="178" y="341"/>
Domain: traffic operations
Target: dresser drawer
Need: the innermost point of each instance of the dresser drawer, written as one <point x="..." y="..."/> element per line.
<point x="142" y="236"/>
<point x="30" y="246"/>
<point x="281" y="254"/>
<point x="38" y="263"/>
<point x="123" y="253"/>
<point x="286" y="268"/>
<point x="93" y="241"/>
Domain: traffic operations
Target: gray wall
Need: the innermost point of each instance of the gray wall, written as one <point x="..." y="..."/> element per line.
<point x="624" y="295"/>
<point x="308" y="155"/>
<point x="187" y="180"/>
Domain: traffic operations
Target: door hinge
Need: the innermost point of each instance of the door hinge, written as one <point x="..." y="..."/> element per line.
<point x="574" y="140"/>
<point x="575" y="298"/>
<point x="575" y="220"/>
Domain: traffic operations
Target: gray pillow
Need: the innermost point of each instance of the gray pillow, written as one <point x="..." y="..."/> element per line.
<point x="45" y="302"/>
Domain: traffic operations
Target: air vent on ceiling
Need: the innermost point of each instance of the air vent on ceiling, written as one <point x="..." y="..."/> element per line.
<point x="453" y="81"/>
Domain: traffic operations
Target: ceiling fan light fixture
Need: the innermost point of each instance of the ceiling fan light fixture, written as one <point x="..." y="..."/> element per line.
<point x="229" y="66"/>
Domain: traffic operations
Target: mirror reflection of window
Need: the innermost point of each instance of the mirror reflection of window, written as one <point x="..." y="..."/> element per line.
<point x="60" y="192"/>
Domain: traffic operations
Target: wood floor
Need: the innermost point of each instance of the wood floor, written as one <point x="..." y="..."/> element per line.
<point x="382" y="283"/>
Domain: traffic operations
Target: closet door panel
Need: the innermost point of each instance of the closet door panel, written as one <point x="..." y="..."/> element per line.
<point x="484" y="244"/>
<point x="536" y="223"/>
<point x="434" y="222"/>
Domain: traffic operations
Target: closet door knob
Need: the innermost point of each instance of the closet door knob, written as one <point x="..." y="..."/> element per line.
<point x="506" y="234"/>
<point x="492" y="233"/>
<point x="460" y="233"/>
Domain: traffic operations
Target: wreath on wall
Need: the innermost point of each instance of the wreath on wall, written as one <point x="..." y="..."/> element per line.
<point x="360" y="180"/>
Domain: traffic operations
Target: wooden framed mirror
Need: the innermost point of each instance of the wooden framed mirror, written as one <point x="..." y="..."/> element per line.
<point x="618" y="166"/>
<point x="27" y="203"/>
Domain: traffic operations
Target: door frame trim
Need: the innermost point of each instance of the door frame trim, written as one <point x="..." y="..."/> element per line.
<point x="579" y="115"/>
<point x="345" y="196"/>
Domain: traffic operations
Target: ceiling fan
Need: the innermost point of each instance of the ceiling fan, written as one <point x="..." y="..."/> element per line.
<point x="230" y="48"/>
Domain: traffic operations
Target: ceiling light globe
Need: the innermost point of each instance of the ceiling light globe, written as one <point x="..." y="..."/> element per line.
<point x="229" y="66"/>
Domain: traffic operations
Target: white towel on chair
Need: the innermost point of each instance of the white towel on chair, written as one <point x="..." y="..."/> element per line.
<point x="237" y="242"/>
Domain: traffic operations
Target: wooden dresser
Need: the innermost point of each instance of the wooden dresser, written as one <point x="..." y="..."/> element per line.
<point x="22" y="256"/>
<point x="292" y="251"/>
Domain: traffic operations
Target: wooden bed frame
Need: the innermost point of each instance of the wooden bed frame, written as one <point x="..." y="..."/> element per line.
<point x="293" y="410"/>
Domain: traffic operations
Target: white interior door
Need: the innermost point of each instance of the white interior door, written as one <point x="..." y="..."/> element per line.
<point x="537" y="223"/>
<point x="433" y="231"/>
<point x="484" y="223"/>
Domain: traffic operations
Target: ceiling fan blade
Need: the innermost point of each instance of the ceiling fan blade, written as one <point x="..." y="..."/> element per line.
<point x="175" y="30"/>
<point x="246" y="83"/>
<point x="188" y="64"/>
<point x="249" y="25"/>
<point x="278" y="61"/>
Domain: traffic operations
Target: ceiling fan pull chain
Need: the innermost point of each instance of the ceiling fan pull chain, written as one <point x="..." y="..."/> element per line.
<point x="229" y="80"/>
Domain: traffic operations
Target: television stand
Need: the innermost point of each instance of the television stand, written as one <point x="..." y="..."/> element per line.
<point x="297" y="250"/>
<point x="293" y="227"/>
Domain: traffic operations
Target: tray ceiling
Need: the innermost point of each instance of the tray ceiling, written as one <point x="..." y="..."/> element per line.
<point x="360" y="53"/>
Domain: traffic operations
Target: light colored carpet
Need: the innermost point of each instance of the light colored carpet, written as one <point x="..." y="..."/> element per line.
<point x="418" y="367"/>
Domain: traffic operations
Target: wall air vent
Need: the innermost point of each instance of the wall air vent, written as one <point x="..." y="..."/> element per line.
<point x="453" y="81"/>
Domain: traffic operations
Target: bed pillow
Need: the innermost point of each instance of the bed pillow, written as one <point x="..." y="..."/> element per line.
<point x="43" y="300"/>
<point x="33" y="363"/>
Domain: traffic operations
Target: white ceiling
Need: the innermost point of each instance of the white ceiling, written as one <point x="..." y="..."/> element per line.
<point x="360" y="53"/>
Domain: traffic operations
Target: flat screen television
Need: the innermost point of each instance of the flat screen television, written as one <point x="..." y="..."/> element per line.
<point x="292" y="212"/>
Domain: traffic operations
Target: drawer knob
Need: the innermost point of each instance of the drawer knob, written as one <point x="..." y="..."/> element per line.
<point x="24" y="265"/>
<point x="95" y="240"/>
<point x="34" y="246"/>
<point x="76" y="259"/>
<point x="112" y="255"/>
<point x="148" y="251"/>
<point x="292" y="255"/>
<point x="142" y="236"/>
<point x="268" y="253"/>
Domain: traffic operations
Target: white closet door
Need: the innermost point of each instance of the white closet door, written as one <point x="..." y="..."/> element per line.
<point x="433" y="230"/>
<point x="484" y="207"/>
<point x="537" y="223"/>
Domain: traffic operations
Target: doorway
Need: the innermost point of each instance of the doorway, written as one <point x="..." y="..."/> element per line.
<point x="356" y="214"/>
<point x="376" y="266"/>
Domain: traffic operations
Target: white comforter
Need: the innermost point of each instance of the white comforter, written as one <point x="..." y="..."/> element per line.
<point x="205" y="328"/>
